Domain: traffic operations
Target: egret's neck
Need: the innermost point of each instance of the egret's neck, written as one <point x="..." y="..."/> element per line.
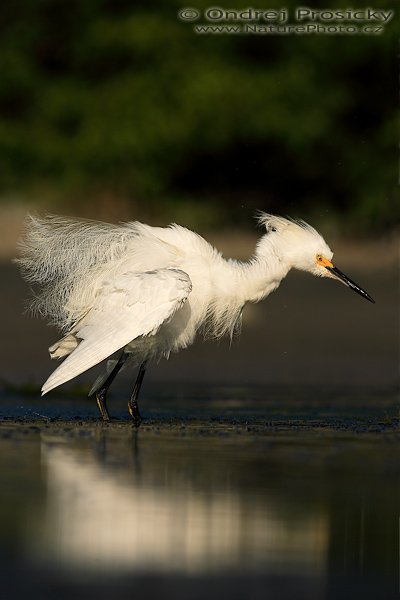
<point x="262" y="278"/>
<point x="235" y="283"/>
<point x="262" y="274"/>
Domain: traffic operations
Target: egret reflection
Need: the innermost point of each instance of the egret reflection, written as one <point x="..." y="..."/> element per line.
<point x="109" y="510"/>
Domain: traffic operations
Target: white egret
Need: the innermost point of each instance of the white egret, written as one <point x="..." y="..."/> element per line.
<point x="136" y="292"/>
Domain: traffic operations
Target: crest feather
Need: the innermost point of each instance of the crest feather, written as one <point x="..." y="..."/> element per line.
<point x="276" y="223"/>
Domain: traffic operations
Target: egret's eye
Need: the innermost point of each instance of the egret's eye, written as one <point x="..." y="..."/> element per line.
<point x="323" y="261"/>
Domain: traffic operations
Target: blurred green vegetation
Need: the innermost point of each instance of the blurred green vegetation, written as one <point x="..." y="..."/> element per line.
<point x="122" y="100"/>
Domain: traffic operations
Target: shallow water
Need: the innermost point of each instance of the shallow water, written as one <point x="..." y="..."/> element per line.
<point x="221" y="493"/>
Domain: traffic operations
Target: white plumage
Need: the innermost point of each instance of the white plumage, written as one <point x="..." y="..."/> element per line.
<point x="126" y="309"/>
<point x="149" y="290"/>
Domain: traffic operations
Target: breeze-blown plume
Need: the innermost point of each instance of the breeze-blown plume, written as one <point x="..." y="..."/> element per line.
<point x="59" y="253"/>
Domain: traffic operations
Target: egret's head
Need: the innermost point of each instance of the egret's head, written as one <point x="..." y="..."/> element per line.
<point x="302" y="247"/>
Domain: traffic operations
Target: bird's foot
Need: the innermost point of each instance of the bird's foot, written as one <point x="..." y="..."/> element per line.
<point x="134" y="412"/>
<point x="101" y="403"/>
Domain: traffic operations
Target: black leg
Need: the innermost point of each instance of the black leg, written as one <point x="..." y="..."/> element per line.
<point x="133" y="406"/>
<point x="102" y="392"/>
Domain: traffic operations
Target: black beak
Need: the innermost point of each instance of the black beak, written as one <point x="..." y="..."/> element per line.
<point x="353" y="286"/>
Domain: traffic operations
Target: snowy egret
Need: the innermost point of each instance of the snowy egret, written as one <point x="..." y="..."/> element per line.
<point x="134" y="293"/>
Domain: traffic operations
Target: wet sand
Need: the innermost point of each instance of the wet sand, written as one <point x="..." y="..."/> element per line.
<point x="310" y="331"/>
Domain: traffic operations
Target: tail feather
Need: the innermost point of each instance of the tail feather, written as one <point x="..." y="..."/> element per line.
<point x="63" y="347"/>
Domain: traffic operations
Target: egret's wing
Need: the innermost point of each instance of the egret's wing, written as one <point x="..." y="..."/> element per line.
<point x="129" y="305"/>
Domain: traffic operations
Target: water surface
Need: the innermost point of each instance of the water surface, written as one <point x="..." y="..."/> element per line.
<point x="220" y="492"/>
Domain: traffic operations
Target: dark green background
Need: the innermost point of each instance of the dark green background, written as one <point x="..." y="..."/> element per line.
<point x="120" y="105"/>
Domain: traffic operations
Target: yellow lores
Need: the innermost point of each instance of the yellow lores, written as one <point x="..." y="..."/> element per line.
<point x="324" y="262"/>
